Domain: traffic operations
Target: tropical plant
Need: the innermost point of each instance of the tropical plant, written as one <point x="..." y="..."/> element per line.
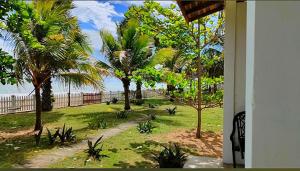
<point x="145" y="127"/>
<point x="46" y="42"/>
<point x="52" y="137"/>
<point x="97" y="123"/>
<point x="94" y="151"/>
<point x="171" y="111"/>
<point x="139" y="102"/>
<point x="107" y="102"/>
<point x="7" y="62"/>
<point x="122" y="114"/>
<point x="66" y="135"/>
<point x="126" y="53"/>
<point x="171" y="157"/>
<point x="152" y="106"/>
<point x="152" y="116"/>
<point x="114" y="100"/>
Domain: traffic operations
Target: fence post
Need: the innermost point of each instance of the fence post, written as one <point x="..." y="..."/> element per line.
<point x="82" y="96"/>
<point x="13" y="104"/>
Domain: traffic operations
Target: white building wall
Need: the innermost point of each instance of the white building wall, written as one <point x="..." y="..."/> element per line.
<point x="273" y="84"/>
<point x="235" y="59"/>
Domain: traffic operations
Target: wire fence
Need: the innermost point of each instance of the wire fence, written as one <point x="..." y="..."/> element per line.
<point x="15" y="103"/>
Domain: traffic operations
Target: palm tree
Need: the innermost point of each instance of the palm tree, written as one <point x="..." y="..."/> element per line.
<point x="125" y="52"/>
<point x="50" y="28"/>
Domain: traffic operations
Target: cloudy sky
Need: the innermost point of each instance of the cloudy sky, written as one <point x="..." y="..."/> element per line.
<point x="92" y="16"/>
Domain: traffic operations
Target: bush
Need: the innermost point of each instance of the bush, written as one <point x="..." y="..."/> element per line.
<point x="51" y="137"/>
<point x="97" y="123"/>
<point x="114" y="100"/>
<point x="171" y="157"/>
<point x="151" y="106"/>
<point x="171" y="111"/>
<point x="145" y="127"/>
<point x="66" y="135"/>
<point x="122" y="114"/>
<point x="152" y="116"/>
<point x="107" y="102"/>
<point x="94" y="150"/>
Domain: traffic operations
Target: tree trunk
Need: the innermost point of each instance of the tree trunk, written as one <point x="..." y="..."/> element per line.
<point x="126" y="84"/>
<point x="38" y="109"/>
<point x="47" y="96"/>
<point x="199" y="70"/>
<point x="139" y="90"/>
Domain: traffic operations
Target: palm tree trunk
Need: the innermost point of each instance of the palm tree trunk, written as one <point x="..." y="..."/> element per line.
<point x="139" y="90"/>
<point x="199" y="70"/>
<point x="126" y="84"/>
<point x="47" y="104"/>
<point x="38" y="109"/>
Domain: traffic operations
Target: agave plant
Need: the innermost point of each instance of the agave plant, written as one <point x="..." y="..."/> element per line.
<point x="122" y="114"/>
<point x="171" y="157"/>
<point x="151" y="106"/>
<point x="66" y="135"/>
<point x="145" y="127"/>
<point x="94" y="151"/>
<point x="114" y="100"/>
<point x="97" y="123"/>
<point x="171" y="111"/>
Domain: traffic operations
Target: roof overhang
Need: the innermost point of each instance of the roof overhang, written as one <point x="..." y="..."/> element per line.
<point x="194" y="9"/>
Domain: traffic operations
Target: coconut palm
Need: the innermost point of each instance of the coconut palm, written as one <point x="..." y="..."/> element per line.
<point x="125" y="52"/>
<point x="52" y="32"/>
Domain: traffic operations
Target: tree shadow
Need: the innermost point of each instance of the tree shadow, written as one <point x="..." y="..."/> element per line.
<point x="141" y="164"/>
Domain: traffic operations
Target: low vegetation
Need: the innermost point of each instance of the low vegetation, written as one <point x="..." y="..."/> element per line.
<point x="95" y="150"/>
<point x="145" y="127"/>
<point x="171" y="157"/>
<point x="172" y="111"/>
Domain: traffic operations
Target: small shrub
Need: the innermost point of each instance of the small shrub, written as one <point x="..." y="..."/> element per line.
<point x="133" y="101"/>
<point x="122" y="114"/>
<point x="107" y="102"/>
<point x="171" y="157"/>
<point x="96" y="124"/>
<point x="51" y="137"/>
<point x="152" y="116"/>
<point x="171" y="111"/>
<point x="151" y="106"/>
<point x="145" y="127"/>
<point x="172" y="100"/>
<point x="94" y="150"/>
<point x="139" y="102"/>
<point x="37" y="136"/>
<point x="114" y="100"/>
<point x="66" y="135"/>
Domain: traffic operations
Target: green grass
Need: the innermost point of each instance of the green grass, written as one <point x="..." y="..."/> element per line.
<point x="77" y="117"/>
<point x="131" y="149"/>
<point x="128" y="149"/>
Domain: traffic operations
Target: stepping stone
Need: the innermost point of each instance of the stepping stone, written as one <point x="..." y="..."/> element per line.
<point x="203" y="162"/>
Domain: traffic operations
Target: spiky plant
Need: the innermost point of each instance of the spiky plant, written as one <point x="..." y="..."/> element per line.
<point x="171" y="157"/>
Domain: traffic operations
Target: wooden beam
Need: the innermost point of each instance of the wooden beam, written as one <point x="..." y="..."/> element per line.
<point x="204" y="12"/>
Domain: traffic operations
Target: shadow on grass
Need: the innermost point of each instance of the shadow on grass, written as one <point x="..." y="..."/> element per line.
<point x="141" y="164"/>
<point x="22" y="121"/>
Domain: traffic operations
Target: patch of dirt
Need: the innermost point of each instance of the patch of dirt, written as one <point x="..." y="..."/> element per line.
<point x="210" y="144"/>
<point x="12" y="135"/>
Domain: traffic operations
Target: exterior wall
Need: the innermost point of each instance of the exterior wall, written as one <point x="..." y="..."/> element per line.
<point x="273" y="82"/>
<point x="235" y="59"/>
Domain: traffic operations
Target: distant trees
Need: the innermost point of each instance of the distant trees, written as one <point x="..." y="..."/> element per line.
<point x="47" y="43"/>
<point x="130" y="50"/>
<point x="7" y="62"/>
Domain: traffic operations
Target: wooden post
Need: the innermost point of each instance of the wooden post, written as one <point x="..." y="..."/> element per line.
<point x="13" y="104"/>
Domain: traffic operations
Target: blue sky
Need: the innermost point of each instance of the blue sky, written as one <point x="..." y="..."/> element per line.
<point x="92" y="16"/>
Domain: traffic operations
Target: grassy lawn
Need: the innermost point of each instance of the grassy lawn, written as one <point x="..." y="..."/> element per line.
<point x="131" y="149"/>
<point x="77" y="117"/>
<point x="128" y="149"/>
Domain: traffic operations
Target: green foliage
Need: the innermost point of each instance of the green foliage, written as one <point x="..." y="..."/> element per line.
<point x="172" y="111"/>
<point x="171" y="157"/>
<point x="52" y="137"/>
<point x="152" y="116"/>
<point x="97" y="123"/>
<point x="122" y="114"/>
<point x="107" y="102"/>
<point x="151" y="106"/>
<point x="139" y="102"/>
<point x="114" y="100"/>
<point x="94" y="150"/>
<point x="7" y="62"/>
<point x="145" y="127"/>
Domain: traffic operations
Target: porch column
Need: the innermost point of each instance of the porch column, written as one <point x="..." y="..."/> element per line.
<point x="273" y="84"/>
<point x="234" y="70"/>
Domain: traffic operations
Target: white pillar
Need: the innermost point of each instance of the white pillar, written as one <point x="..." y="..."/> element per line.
<point x="273" y="84"/>
<point x="234" y="71"/>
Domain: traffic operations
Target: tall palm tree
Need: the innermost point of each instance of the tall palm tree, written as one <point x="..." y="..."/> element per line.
<point x="125" y="52"/>
<point x="51" y="26"/>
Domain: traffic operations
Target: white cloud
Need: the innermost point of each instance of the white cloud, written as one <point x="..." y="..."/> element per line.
<point x="94" y="38"/>
<point x="97" y="13"/>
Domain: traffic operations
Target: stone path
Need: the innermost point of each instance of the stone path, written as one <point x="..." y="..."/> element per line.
<point x="46" y="159"/>
<point x="203" y="162"/>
